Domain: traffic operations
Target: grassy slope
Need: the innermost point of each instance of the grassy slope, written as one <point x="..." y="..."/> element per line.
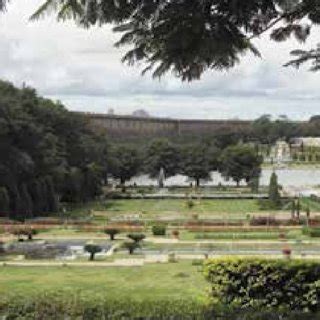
<point x="177" y="280"/>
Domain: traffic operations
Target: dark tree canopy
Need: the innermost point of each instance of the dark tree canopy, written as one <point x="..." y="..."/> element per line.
<point x="197" y="163"/>
<point x="161" y="153"/>
<point x="189" y="37"/>
<point x="125" y="162"/>
<point x="46" y="154"/>
<point x="240" y="162"/>
<point x="274" y="195"/>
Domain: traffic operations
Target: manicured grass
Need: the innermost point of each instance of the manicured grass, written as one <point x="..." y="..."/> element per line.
<point x="221" y="209"/>
<point x="180" y="206"/>
<point x="314" y="206"/>
<point x="159" y="280"/>
<point x="220" y="245"/>
<point x="234" y="235"/>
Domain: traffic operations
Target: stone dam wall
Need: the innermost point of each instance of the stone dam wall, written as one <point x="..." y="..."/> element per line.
<point x="115" y="125"/>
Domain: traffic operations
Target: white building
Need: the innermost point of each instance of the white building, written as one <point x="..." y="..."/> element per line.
<point x="280" y="152"/>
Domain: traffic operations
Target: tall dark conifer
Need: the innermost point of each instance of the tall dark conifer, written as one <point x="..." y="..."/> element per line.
<point x="274" y="194"/>
<point x="26" y="206"/>
<point x="51" y="197"/>
<point x="4" y="201"/>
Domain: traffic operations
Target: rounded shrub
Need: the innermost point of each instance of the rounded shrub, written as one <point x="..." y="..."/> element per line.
<point x="136" y="237"/>
<point x="159" y="230"/>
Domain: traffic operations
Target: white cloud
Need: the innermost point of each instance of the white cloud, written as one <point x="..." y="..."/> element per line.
<point x="83" y="69"/>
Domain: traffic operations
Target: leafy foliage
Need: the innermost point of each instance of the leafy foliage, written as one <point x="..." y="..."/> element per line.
<point x="70" y="304"/>
<point x="197" y="163"/>
<point x="265" y="284"/>
<point x="131" y="246"/>
<point x="240" y="162"/>
<point x="27" y="231"/>
<point x="159" y="230"/>
<point x="136" y="237"/>
<point x="125" y="163"/>
<point x="274" y="195"/>
<point x="188" y="37"/>
<point x="93" y="249"/>
<point x="4" y="201"/>
<point x="161" y="153"/>
<point x="46" y="154"/>
<point x="112" y="233"/>
<point x="300" y="57"/>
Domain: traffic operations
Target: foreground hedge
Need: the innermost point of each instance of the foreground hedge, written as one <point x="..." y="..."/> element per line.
<point x="292" y="286"/>
<point x="76" y="306"/>
<point x="70" y="305"/>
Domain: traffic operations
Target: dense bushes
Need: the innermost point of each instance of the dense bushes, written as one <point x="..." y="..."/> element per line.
<point x="68" y="305"/>
<point x="63" y="305"/>
<point x="265" y="284"/>
<point x="46" y="153"/>
<point x="159" y="230"/>
<point x="311" y="232"/>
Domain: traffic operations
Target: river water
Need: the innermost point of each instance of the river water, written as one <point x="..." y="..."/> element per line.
<point x="286" y="177"/>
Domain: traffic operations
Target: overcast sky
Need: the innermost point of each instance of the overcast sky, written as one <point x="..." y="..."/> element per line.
<point x="83" y="70"/>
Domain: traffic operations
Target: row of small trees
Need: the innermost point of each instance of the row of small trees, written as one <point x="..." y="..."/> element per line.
<point x="237" y="162"/>
<point x="131" y="246"/>
<point x="38" y="197"/>
<point x="46" y="154"/>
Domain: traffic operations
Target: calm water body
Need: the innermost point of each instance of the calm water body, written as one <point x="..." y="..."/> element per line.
<point x="286" y="177"/>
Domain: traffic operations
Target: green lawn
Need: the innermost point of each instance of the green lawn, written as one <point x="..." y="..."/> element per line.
<point x="314" y="206"/>
<point x="161" y="280"/>
<point x="237" y="234"/>
<point x="221" y="209"/>
<point x="180" y="206"/>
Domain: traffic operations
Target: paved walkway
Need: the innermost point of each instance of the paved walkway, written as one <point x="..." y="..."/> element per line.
<point x="131" y="262"/>
<point x="157" y="240"/>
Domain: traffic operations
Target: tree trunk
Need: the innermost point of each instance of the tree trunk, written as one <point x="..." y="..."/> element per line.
<point x="106" y="182"/>
<point x="123" y="184"/>
<point x="197" y="182"/>
<point x="91" y="256"/>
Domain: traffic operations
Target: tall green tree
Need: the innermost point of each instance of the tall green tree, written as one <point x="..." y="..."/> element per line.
<point x="26" y="205"/>
<point x="161" y="153"/>
<point x="38" y="197"/>
<point x="196" y="163"/>
<point x="72" y="186"/>
<point x="240" y="162"/>
<point x="4" y="201"/>
<point x="39" y="138"/>
<point x="125" y="163"/>
<point x="51" y="196"/>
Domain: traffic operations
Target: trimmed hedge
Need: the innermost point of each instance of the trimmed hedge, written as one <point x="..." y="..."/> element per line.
<point x="242" y="235"/>
<point x="68" y="305"/>
<point x="265" y="284"/>
<point x="311" y="232"/>
<point x="159" y="230"/>
<point x="62" y="305"/>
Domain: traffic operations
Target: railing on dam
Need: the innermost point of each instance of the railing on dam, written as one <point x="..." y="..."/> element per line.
<point x="118" y="124"/>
